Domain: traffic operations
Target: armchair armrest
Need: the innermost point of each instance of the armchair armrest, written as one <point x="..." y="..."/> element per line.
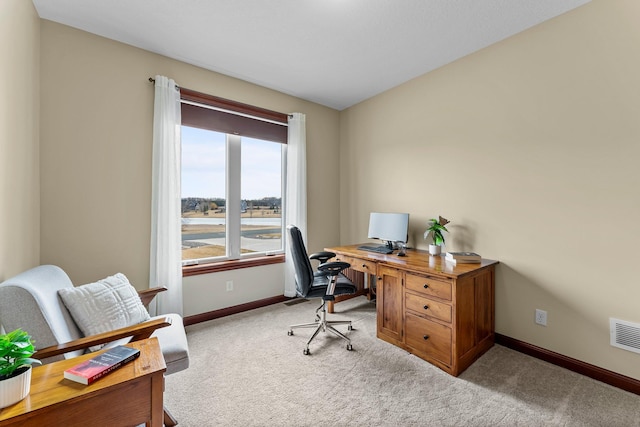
<point x="137" y="332"/>
<point x="147" y="295"/>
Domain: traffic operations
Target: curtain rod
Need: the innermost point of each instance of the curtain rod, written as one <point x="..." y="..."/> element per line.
<point x="152" y="80"/>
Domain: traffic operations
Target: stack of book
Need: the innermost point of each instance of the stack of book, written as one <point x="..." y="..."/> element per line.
<point x="462" y="257"/>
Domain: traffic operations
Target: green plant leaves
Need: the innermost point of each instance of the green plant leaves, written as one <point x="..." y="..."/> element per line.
<point x="436" y="229"/>
<point x="16" y="349"/>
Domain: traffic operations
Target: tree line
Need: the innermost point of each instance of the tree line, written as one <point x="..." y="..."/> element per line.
<point x="205" y="204"/>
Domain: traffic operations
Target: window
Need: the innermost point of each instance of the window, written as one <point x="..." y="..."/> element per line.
<point x="233" y="181"/>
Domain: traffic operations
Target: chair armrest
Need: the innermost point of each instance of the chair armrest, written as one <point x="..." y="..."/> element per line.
<point x="323" y="256"/>
<point x="147" y="295"/>
<point x="333" y="268"/>
<point x="137" y="332"/>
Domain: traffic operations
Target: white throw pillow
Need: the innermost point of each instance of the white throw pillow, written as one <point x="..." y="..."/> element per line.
<point x="105" y="305"/>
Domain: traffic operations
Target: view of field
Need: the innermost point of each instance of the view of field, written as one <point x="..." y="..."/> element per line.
<point x="194" y="249"/>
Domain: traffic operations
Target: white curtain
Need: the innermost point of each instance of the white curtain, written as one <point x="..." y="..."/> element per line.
<point x="296" y="208"/>
<point x="166" y="265"/>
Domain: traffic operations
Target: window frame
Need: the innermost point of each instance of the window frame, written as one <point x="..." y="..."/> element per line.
<point x="266" y="125"/>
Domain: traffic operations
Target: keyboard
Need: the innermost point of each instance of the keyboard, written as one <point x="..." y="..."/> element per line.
<point x="380" y="249"/>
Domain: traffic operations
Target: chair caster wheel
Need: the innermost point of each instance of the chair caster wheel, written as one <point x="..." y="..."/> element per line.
<point x="290" y="333"/>
<point x="349" y="347"/>
<point x="350" y="328"/>
<point x="306" y="352"/>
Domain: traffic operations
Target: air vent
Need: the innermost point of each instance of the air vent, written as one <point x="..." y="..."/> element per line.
<point x="625" y="335"/>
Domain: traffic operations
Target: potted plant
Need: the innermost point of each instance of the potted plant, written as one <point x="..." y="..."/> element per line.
<point x="16" y="349"/>
<point x="435" y="229"/>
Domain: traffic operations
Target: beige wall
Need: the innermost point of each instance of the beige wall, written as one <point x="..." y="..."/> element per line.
<point x="97" y="112"/>
<point x="19" y="115"/>
<point x="530" y="147"/>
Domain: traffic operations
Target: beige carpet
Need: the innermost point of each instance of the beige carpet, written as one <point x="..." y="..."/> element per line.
<point x="246" y="371"/>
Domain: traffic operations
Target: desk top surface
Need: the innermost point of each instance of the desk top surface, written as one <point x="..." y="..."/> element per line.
<point x="416" y="260"/>
<point x="49" y="387"/>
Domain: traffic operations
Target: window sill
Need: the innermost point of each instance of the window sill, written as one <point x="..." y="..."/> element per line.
<point x="216" y="267"/>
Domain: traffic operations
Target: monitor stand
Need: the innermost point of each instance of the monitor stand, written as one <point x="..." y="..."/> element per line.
<point x="402" y="249"/>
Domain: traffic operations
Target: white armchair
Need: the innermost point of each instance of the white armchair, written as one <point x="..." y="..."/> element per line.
<point x="30" y="301"/>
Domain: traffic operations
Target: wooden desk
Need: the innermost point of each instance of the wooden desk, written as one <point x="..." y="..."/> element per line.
<point x="128" y="396"/>
<point x="442" y="313"/>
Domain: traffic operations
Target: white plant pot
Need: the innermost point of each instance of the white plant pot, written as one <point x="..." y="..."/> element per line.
<point x="434" y="249"/>
<point x="14" y="389"/>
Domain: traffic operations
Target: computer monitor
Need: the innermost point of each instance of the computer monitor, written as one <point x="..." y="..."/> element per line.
<point x="390" y="227"/>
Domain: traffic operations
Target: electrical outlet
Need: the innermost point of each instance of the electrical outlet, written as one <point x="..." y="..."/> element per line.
<point x="541" y="317"/>
<point x="229" y="285"/>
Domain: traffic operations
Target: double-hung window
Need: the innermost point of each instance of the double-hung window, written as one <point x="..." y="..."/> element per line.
<point x="233" y="182"/>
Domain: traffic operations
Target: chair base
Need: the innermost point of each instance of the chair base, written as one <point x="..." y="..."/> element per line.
<point x="324" y="325"/>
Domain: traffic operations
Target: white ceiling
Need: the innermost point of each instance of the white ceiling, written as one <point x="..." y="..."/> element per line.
<point x="332" y="52"/>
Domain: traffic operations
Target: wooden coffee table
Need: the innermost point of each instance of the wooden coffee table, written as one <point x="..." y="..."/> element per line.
<point x="128" y="396"/>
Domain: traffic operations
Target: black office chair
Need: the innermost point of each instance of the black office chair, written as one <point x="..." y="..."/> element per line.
<point x="324" y="283"/>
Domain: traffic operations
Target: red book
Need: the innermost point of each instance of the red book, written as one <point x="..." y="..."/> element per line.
<point x="100" y="365"/>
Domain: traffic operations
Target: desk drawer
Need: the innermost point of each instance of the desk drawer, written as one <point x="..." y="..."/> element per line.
<point x="428" y="307"/>
<point x="358" y="264"/>
<point x="429" y="286"/>
<point x="428" y="338"/>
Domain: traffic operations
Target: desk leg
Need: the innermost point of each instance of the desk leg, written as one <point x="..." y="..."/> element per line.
<point x="361" y="280"/>
<point x="169" y="421"/>
<point x="157" y="410"/>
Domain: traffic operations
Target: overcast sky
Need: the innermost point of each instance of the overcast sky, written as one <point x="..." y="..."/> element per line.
<point x="203" y="164"/>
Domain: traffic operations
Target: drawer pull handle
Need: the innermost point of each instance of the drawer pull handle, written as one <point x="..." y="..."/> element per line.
<point x="426" y="307"/>
<point x="426" y="337"/>
<point x="426" y="286"/>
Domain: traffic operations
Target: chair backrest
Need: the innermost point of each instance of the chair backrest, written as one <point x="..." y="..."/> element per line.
<point x="30" y="301"/>
<point x="301" y="262"/>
